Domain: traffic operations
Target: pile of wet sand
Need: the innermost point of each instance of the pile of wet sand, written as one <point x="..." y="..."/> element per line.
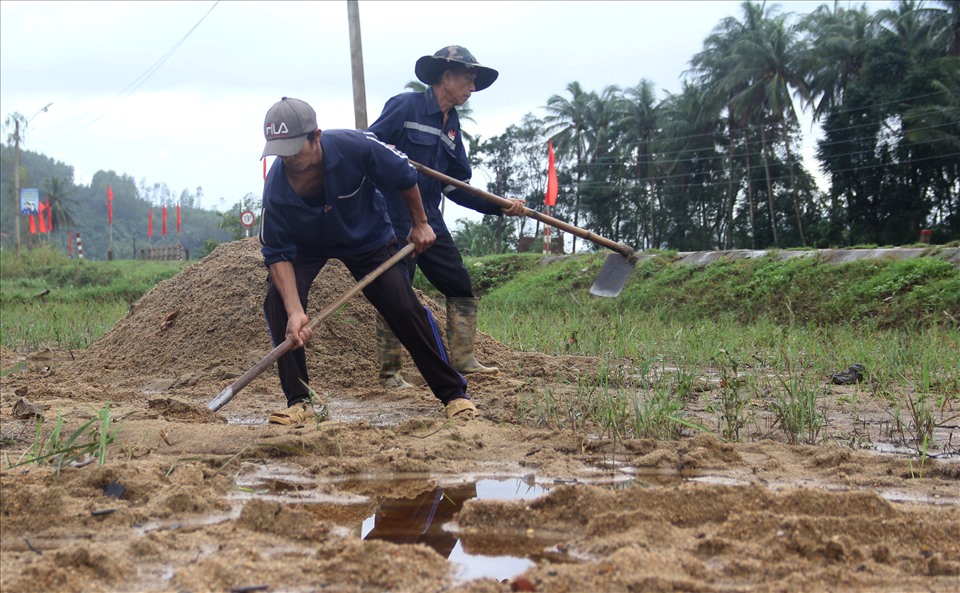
<point x="205" y="327"/>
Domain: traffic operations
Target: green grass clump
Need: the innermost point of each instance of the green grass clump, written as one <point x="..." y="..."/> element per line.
<point x="52" y="301"/>
<point x="91" y="439"/>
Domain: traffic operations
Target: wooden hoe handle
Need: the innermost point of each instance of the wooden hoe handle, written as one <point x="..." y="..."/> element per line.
<point x="227" y="394"/>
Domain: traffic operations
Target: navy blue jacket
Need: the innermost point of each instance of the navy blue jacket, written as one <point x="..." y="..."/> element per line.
<point x="351" y="218"/>
<point x="412" y="122"/>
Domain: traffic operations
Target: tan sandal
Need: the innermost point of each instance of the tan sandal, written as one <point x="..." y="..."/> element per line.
<point x="461" y="408"/>
<point x="294" y="415"/>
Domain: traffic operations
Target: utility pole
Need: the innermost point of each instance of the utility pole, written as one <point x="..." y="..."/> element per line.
<point x="16" y="170"/>
<point x="356" y="63"/>
<point x="16" y="181"/>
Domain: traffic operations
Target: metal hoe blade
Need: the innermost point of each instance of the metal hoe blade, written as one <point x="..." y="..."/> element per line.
<point x="613" y="276"/>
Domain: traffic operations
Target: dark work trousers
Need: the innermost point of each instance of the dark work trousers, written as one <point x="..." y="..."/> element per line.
<point x="392" y="295"/>
<point x="443" y="267"/>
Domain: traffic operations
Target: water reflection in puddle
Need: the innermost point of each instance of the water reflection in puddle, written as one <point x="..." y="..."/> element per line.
<point x="425" y="516"/>
<point x="371" y="508"/>
<point x="427" y="519"/>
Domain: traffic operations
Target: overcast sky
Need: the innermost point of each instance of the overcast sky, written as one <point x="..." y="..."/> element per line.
<point x="129" y="97"/>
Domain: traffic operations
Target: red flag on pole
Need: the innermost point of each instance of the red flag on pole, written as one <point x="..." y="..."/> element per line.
<point x="163" y="223"/>
<point x="150" y="223"/>
<point x="178" y="219"/>
<point x="49" y="216"/>
<point x="553" y="188"/>
<point x="33" y="225"/>
<point x="109" y="205"/>
<point x="43" y="217"/>
<point x="70" y="242"/>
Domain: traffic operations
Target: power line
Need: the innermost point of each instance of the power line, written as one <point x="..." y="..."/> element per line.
<point x="715" y="156"/>
<point x="138" y="81"/>
<point x="754" y="128"/>
<point x="760" y="142"/>
<point x="724" y="182"/>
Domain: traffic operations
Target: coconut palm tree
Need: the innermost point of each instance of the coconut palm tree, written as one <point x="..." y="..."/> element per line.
<point x="639" y="126"/>
<point x="768" y="72"/>
<point x="834" y="52"/>
<point x="604" y="176"/>
<point x="58" y="191"/>
<point x="751" y="67"/>
<point x="713" y="68"/>
<point x="912" y="23"/>
<point x="568" y="122"/>
<point x="689" y="147"/>
<point x="948" y="26"/>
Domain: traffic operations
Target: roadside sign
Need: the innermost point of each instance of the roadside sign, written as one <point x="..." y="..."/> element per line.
<point x="246" y="219"/>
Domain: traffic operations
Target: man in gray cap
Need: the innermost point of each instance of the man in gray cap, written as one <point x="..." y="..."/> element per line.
<point x="425" y="126"/>
<point x="322" y="199"/>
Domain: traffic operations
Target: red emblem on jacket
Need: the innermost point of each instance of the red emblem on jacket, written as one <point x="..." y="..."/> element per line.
<point x="451" y="134"/>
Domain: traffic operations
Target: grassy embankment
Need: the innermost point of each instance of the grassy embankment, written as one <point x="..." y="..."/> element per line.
<point x="775" y="329"/>
<point x="773" y="332"/>
<point x="50" y="301"/>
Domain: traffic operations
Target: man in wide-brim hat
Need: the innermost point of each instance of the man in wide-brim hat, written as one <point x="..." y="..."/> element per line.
<point x="426" y="127"/>
<point x="429" y="69"/>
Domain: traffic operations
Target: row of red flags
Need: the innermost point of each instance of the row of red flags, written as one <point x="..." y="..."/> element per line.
<point x="163" y="227"/>
<point x="45" y="220"/>
<point x="45" y="217"/>
<point x="163" y="223"/>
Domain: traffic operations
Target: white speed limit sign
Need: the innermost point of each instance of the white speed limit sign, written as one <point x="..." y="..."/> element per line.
<point x="246" y="218"/>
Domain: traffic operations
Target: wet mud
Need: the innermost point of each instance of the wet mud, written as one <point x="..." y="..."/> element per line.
<point x="388" y="495"/>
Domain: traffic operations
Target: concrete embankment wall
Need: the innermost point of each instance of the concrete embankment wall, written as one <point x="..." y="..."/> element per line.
<point x="834" y="256"/>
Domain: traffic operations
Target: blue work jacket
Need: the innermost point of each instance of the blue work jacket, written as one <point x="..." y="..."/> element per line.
<point x="413" y="123"/>
<point x="351" y="218"/>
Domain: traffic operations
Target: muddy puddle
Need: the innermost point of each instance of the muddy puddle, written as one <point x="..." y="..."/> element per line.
<point x="425" y="515"/>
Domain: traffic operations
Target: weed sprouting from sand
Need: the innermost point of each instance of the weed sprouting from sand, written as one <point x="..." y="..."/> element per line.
<point x="655" y="414"/>
<point x="730" y="410"/>
<point x="104" y="434"/>
<point x="795" y="405"/>
<point x="317" y="404"/>
<point x="923" y="459"/>
<point x="99" y="431"/>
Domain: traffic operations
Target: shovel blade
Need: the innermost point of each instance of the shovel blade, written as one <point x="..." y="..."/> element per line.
<point x="614" y="274"/>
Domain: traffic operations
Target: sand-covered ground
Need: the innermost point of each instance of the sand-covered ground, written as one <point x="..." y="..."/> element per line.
<point x="191" y="500"/>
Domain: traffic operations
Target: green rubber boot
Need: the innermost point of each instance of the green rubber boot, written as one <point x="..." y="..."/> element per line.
<point x="389" y="351"/>
<point x="462" y="336"/>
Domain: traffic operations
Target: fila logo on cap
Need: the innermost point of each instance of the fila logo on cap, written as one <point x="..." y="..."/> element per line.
<point x="273" y="130"/>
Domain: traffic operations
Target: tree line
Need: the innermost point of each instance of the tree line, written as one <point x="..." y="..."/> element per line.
<point x="82" y="208"/>
<point x="713" y="166"/>
<point x="716" y="165"/>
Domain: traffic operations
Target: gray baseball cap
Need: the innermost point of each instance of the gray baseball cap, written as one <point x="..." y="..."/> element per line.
<point x="286" y="125"/>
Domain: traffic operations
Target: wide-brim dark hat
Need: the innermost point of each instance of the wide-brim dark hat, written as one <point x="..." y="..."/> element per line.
<point x="429" y="68"/>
